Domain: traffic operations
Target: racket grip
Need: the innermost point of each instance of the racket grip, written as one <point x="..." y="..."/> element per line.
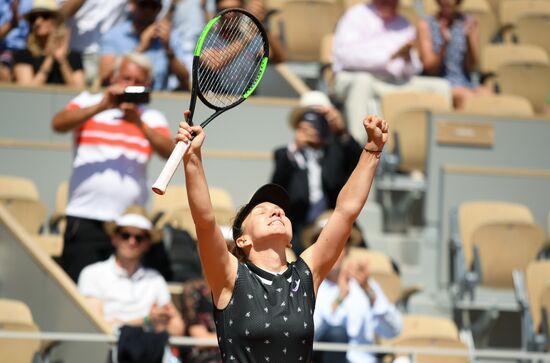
<point x="169" y="168"/>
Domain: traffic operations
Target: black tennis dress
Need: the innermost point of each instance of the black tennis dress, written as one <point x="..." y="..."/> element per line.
<point x="269" y="317"/>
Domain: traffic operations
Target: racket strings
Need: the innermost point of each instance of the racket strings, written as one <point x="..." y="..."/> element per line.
<point x="230" y="60"/>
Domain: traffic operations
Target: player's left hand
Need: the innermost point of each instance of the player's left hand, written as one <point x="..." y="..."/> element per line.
<point x="377" y="133"/>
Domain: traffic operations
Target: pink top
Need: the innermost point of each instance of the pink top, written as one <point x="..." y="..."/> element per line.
<point x="363" y="42"/>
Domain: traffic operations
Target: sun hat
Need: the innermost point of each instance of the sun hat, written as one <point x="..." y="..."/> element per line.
<point x="134" y="216"/>
<point x="43" y="6"/>
<point x="272" y="193"/>
<point x="307" y="101"/>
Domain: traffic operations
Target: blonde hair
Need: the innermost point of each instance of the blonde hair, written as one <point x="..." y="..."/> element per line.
<point x="140" y="59"/>
<point x="33" y="45"/>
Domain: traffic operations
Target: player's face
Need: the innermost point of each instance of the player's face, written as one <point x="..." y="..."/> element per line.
<point x="267" y="220"/>
<point x="131" y="242"/>
<point x="131" y="74"/>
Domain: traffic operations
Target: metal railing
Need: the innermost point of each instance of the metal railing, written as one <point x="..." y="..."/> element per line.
<point x="413" y="352"/>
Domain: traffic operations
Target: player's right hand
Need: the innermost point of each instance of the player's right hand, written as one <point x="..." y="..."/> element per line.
<point x="190" y="134"/>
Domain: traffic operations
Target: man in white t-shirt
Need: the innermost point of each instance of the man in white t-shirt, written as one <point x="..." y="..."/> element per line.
<point x="123" y="291"/>
<point x="113" y="143"/>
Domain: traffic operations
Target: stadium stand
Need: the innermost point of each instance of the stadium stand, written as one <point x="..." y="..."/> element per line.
<point x="494" y="56"/>
<point x="528" y="30"/>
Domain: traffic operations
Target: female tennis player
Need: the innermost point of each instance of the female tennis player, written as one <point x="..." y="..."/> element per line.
<point x="263" y="306"/>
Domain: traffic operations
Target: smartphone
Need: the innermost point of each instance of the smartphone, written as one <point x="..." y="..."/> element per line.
<point x="136" y="94"/>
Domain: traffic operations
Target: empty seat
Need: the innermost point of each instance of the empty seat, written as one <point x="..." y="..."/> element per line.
<point x="531" y="81"/>
<point x="435" y="343"/>
<point x="537" y="280"/>
<point x="16" y="316"/>
<point x="20" y="197"/>
<point x="305" y="23"/>
<point x="494" y="56"/>
<point x="502" y="247"/>
<point x="499" y="105"/>
<point x="406" y="115"/>
<point x="529" y="30"/>
<point x="472" y="215"/>
<point x="512" y="10"/>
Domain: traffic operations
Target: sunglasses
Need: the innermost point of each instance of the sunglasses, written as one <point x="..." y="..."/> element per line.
<point x="46" y="16"/>
<point x="140" y="238"/>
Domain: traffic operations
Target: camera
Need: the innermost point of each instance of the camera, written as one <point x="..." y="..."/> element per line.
<point x="319" y="122"/>
<point x="135" y="94"/>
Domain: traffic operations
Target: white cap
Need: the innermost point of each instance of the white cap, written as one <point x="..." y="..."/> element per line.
<point x="314" y="98"/>
<point x="134" y="220"/>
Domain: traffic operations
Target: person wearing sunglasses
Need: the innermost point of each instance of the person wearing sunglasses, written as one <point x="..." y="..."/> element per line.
<point x="47" y="58"/>
<point x="121" y="289"/>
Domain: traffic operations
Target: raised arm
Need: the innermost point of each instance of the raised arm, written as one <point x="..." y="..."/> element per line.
<point x="220" y="266"/>
<point x="321" y="256"/>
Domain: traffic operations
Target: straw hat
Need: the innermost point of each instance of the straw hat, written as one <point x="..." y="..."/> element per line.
<point x="134" y="216"/>
<point x="44" y="6"/>
<point x="311" y="232"/>
<point x="308" y="100"/>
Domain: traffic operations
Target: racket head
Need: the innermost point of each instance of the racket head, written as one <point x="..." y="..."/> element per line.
<point x="230" y="59"/>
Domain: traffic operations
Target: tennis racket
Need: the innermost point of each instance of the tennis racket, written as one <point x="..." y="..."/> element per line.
<point x="228" y="64"/>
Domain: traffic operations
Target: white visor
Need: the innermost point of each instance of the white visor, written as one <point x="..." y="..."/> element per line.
<point x="134" y="220"/>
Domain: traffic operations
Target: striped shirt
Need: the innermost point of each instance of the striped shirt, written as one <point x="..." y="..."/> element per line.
<point x="110" y="160"/>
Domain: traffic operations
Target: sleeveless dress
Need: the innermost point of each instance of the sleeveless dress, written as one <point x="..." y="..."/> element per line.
<point x="453" y="65"/>
<point x="269" y="317"/>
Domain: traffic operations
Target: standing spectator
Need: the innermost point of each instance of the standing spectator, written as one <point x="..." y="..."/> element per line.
<point x="88" y="21"/>
<point x="114" y="141"/>
<point x="142" y="33"/>
<point x="373" y="53"/>
<point x="449" y="48"/>
<point x="13" y="33"/>
<point x="352" y="308"/>
<point x="47" y="58"/>
<point x="316" y="165"/>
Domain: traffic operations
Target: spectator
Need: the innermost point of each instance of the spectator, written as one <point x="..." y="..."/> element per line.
<point x="88" y="21"/>
<point x="316" y="165"/>
<point x="13" y="33"/>
<point x="47" y="58"/>
<point x="106" y="284"/>
<point x="373" y="53"/>
<point x="449" y="48"/>
<point x="114" y="141"/>
<point x="197" y="311"/>
<point x="142" y="33"/>
<point x="338" y="317"/>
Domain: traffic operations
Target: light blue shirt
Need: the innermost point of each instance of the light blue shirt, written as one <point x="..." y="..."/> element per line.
<point x="361" y="319"/>
<point x="16" y="38"/>
<point x="122" y="38"/>
<point x="187" y="23"/>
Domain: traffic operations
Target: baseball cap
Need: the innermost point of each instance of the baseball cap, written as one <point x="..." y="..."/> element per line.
<point x="272" y="193"/>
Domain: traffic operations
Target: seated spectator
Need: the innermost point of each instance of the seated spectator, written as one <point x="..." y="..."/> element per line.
<point x="352" y="308"/>
<point x="13" y="34"/>
<point x="449" y="48"/>
<point x="114" y="142"/>
<point x="314" y="167"/>
<point x="277" y="53"/>
<point x="373" y="53"/>
<point x="47" y="58"/>
<point x="197" y="312"/>
<point x="142" y="33"/>
<point x="106" y="285"/>
<point x="88" y="21"/>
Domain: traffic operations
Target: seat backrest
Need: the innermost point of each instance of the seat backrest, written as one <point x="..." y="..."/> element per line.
<point x="531" y="81"/>
<point x="545" y="307"/>
<point x="303" y="33"/>
<point x="512" y="10"/>
<point x="504" y="247"/>
<point x="528" y="30"/>
<point x="494" y="56"/>
<point x="428" y="326"/>
<point x="498" y="105"/>
<point x="174" y="197"/>
<point x="411" y="127"/>
<point x="537" y="279"/>
<point x="435" y="343"/>
<point x="16" y="316"/>
<point x="473" y="214"/>
<point x="390" y="282"/>
<point x="20" y="197"/>
<point x="376" y="261"/>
